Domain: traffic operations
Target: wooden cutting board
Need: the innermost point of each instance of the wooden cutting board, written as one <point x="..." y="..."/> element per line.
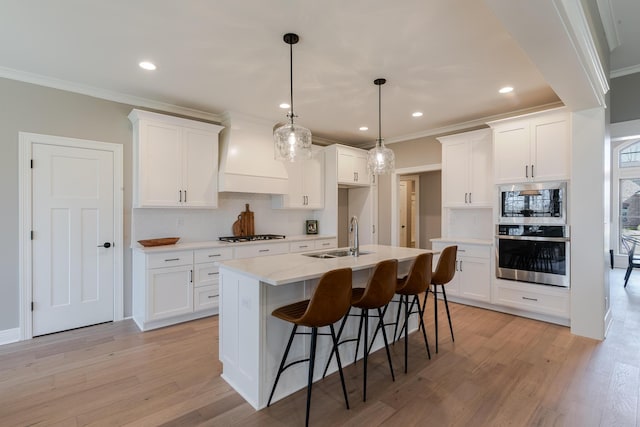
<point x="245" y="224"/>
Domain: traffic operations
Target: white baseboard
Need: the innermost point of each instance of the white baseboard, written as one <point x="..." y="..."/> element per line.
<point x="9" y="335"/>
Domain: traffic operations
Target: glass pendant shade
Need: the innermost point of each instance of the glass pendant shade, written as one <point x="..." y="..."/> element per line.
<point x="380" y="159"/>
<point x="292" y="142"/>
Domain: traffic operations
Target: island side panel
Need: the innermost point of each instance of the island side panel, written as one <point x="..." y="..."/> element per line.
<point x="239" y="329"/>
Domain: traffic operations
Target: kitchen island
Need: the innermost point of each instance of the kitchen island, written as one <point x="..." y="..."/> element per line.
<point x="252" y="342"/>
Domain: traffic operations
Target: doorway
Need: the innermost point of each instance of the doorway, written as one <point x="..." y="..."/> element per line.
<point x="408" y="206"/>
<point x="427" y="211"/>
<point x="71" y="238"/>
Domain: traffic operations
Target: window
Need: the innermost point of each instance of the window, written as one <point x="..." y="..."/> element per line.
<point x="628" y="190"/>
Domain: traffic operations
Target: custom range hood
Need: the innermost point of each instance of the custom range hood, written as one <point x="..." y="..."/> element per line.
<point x="247" y="163"/>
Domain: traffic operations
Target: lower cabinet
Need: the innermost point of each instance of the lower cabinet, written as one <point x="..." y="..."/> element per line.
<point x="175" y="286"/>
<point x="472" y="279"/>
<point x="548" y="300"/>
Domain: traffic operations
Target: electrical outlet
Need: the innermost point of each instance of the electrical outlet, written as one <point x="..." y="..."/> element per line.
<point x="180" y="221"/>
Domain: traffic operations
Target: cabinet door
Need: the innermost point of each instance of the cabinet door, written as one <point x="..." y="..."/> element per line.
<point x="200" y="166"/>
<point x="474" y="278"/>
<point x="511" y="153"/>
<point x="551" y="148"/>
<point x="346" y="170"/>
<point x="159" y="169"/>
<point x="313" y="179"/>
<point x="170" y="292"/>
<point x="360" y="168"/>
<point x="480" y="172"/>
<point x="455" y="168"/>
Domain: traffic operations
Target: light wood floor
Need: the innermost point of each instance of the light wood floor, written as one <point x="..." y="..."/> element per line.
<point x="501" y="370"/>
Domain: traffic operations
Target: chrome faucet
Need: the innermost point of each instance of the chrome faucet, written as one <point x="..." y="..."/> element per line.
<point x="354" y="242"/>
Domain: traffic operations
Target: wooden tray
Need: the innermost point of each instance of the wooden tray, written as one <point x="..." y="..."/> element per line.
<point x="159" y="242"/>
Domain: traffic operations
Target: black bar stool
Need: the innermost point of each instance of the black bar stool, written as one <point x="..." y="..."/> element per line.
<point x="445" y="270"/>
<point x="376" y="295"/>
<point x="331" y="301"/>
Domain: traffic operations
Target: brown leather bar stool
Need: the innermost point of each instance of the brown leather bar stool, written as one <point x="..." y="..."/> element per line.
<point x="379" y="291"/>
<point x="412" y="285"/>
<point x="329" y="303"/>
<point x="445" y="270"/>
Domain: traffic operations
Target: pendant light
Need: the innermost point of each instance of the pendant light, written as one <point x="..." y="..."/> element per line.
<point x="292" y="141"/>
<point x="380" y="159"/>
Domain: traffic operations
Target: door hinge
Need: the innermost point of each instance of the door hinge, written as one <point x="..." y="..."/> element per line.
<point x="31" y="305"/>
<point x="31" y="163"/>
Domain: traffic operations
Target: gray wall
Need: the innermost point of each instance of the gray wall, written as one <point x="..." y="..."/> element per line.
<point x="430" y="207"/>
<point x="31" y="108"/>
<point x="625" y="98"/>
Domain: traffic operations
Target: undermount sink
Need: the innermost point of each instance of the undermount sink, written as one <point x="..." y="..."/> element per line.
<point x="334" y="254"/>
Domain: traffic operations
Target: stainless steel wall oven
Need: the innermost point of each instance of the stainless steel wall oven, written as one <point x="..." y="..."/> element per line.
<point x="533" y="253"/>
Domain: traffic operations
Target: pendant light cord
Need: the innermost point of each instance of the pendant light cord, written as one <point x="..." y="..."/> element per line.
<point x="379" y="115"/>
<point x="291" y="78"/>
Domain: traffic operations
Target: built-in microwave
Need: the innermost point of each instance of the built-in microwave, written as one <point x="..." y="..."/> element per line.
<point x="533" y="203"/>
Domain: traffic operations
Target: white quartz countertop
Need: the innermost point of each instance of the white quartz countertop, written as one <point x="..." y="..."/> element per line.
<point x="463" y="241"/>
<point x="219" y="244"/>
<point x="296" y="267"/>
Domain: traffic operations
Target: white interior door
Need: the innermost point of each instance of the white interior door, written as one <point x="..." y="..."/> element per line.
<point x="73" y="234"/>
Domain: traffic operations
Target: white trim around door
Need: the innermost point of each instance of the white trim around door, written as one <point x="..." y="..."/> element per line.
<point x="26" y="141"/>
<point x="395" y="184"/>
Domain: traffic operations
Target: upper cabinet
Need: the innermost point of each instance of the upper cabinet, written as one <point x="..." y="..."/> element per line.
<point x="352" y="167"/>
<point x="175" y="161"/>
<point x="306" y="183"/>
<point x="532" y="148"/>
<point x="467" y="169"/>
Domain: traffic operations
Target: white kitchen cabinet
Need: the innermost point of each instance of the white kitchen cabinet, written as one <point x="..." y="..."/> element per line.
<point x="534" y="298"/>
<point x="352" y="167"/>
<point x="306" y="184"/>
<point x="206" y="277"/>
<point x="472" y="279"/>
<point x="175" y="161"/>
<point x="170" y="292"/>
<point x="467" y="169"/>
<point x="262" y="249"/>
<point x="532" y="148"/>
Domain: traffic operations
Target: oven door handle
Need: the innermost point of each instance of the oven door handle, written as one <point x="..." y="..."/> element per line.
<point x="534" y="238"/>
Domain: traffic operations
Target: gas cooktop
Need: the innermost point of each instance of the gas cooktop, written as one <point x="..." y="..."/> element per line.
<point x="253" y="238"/>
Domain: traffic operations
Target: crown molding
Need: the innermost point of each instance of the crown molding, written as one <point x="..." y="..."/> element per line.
<point x="108" y="95"/>
<point x="472" y="123"/>
<point x="625" y="71"/>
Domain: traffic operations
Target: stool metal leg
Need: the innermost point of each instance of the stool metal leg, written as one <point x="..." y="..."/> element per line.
<point x="335" y="346"/>
<point x="435" y="311"/>
<point x="355" y="356"/>
<point x="395" y="329"/>
<point x="424" y="331"/>
<point x="312" y="360"/>
<point x="365" y="315"/>
<point x="386" y="343"/>
<point x="284" y="359"/>
<point x="446" y="305"/>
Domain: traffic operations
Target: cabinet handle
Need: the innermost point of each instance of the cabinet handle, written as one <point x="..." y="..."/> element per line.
<point x="462" y="250"/>
<point x="456" y="265"/>
<point x="190" y="276"/>
<point x="185" y="196"/>
<point x="263" y="250"/>
<point x="302" y="247"/>
<point x="180" y="191"/>
<point x="460" y="265"/>
<point x="355" y="176"/>
<point x="465" y="197"/>
<point x="526" y="171"/>
<point x="211" y="296"/>
<point x="212" y="274"/>
<point x="172" y="259"/>
<point x="530" y="299"/>
<point x="214" y="255"/>
<point x="469" y="197"/>
<point x="532" y="175"/>
<point x="326" y="244"/>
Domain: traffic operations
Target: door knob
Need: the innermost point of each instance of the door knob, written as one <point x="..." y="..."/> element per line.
<point x="105" y="245"/>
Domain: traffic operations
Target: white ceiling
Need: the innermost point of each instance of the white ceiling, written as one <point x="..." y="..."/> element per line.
<point x="446" y="58"/>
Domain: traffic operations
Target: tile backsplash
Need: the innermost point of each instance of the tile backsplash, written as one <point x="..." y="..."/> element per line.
<point x="193" y="225"/>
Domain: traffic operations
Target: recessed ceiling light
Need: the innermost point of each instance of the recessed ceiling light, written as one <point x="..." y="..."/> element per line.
<point x="417" y="114"/>
<point x="146" y="65"/>
<point x="506" y="89"/>
<point x="285" y="105"/>
<point x="363" y="128"/>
